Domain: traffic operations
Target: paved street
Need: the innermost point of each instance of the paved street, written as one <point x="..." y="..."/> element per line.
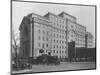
<point x="62" y="66"/>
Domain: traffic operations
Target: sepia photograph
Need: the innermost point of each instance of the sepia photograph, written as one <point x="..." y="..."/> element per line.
<point x="52" y="37"/>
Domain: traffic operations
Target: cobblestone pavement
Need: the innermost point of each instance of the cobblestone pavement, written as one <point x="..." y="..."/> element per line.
<point x="62" y="66"/>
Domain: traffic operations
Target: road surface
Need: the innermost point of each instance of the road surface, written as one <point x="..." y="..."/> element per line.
<point x="62" y="66"/>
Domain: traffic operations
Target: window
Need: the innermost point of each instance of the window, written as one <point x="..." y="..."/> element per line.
<point x="47" y="33"/>
<point x="60" y="41"/>
<point x="54" y="40"/>
<point x="43" y="38"/>
<point x="62" y="26"/>
<point x="57" y="30"/>
<point x="51" y="34"/>
<point x="57" y="41"/>
<point x="54" y="51"/>
<point x="57" y="51"/>
<point x="39" y="44"/>
<point x="57" y="46"/>
<point x="65" y="27"/>
<point x="72" y="26"/>
<point x="43" y="32"/>
<point x="39" y="30"/>
<point x="65" y="47"/>
<point x="43" y="45"/>
<point x="65" y="42"/>
<point x="47" y="38"/>
<point x="62" y="51"/>
<point x="54" y="46"/>
<point x="63" y="37"/>
<point x="62" y="47"/>
<point x="60" y="36"/>
<point x="57" y="35"/>
<point x="46" y="45"/>
<point x="39" y="37"/>
<point x="46" y="51"/>
<point x="65" y="51"/>
<point x="63" y="31"/>
<point x="54" y="34"/>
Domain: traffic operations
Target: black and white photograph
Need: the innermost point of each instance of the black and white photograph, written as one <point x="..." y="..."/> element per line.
<point x="52" y="37"/>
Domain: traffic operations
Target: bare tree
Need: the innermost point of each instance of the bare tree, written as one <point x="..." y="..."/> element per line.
<point x="15" y="40"/>
<point x="15" y="46"/>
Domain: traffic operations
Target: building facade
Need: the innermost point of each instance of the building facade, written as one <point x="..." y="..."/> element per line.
<point x="25" y="37"/>
<point x="39" y="35"/>
<point x="59" y="36"/>
<point x="75" y="31"/>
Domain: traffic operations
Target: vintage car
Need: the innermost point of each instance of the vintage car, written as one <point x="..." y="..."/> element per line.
<point x="47" y="59"/>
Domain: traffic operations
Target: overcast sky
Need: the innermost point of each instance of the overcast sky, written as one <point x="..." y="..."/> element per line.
<point x="85" y="14"/>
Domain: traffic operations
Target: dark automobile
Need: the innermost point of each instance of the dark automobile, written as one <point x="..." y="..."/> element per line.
<point x="47" y="59"/>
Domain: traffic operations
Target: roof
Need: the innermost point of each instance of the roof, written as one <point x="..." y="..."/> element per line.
<point x="89" y="35"/>
<point x="49" y="13"/>
<point x="80" y="25"/>
<point x="39" y="16"/>
<point x="66" y="14"/>
<point x="27" y="18"/>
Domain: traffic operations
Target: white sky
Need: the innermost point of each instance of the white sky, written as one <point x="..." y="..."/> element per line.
<point x="85" y="14"/>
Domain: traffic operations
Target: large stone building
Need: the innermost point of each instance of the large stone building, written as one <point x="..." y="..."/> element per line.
<point x="50" y="32"/>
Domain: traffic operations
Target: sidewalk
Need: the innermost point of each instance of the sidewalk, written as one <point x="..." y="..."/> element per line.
<point x="22" y="71"/>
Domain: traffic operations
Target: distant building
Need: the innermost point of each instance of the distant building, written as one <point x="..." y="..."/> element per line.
<point x="89" y="40"/>
<point x="80" y="35"/>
